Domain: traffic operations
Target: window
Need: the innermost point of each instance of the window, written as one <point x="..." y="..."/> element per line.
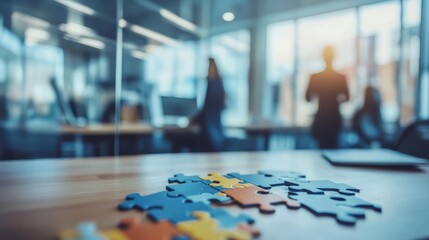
<point x="280" y="69"/>
<point x="379" y="53"/>
<point x="410" y="62"/>
<point x="172" y="69"/>
<point x="231" y="52"/>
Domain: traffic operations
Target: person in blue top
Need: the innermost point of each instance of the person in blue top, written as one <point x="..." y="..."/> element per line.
<point x="330" y="88"/>
<point x="209" y="117"/>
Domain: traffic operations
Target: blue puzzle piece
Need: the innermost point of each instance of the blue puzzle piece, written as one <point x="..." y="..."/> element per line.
<point x="178" y="212"/>
<point x="263" y="181"/>
<point x="228" y="221"/>
<point x="181" y="178"/>
<point x="190" y="189"/>
<point x="207" y="197"/>
<point x="162" y="207"/>
<point x="346" y="209"/>
<point x="136" y="200"/>
<point x="282" y="174"/>
<point x="318" y="186"/>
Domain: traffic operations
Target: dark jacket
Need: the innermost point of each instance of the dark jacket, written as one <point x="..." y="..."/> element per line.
<point x="210" y="116"/>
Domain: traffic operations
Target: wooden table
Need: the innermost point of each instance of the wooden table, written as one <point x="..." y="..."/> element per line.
<point x="40" y="197"/>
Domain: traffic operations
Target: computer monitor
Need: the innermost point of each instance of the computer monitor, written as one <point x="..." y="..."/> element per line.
<point x="178" y="107"/>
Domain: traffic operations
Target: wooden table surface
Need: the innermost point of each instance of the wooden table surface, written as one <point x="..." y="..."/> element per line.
<point x="40" y="197"/>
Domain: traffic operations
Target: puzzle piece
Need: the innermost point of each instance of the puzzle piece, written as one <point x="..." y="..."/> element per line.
<point x="206" y="228"/>
<point x="263" y="181"/>
<point x="228" y="221"/>
<point x="221" y="182"/>
<point x="207" y="197"/>
<point x="83" y="231"/>
<point x="190" y="189"/>
<point x="162" y="207"/>
<point x="346" y="209"/>
<point x="318" y="186"/>
<point x="282" y="174"/>
<point x="138" y="201"/>
<point x="261" y="198"/>
<point x="180" y="178"/>
<point x="134" y="229"/>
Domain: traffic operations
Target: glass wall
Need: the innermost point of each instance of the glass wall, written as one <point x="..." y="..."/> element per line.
<point x="57" y="70"/>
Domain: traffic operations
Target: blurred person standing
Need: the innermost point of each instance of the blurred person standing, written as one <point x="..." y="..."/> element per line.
<point x="367" y="121"/>
<point x="209" y="117"/>
<point x="330" y="88"/>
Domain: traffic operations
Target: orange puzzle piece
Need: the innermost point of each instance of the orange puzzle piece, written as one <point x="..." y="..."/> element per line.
<point x="256" y="196"/>
<point x="134" y="229"/>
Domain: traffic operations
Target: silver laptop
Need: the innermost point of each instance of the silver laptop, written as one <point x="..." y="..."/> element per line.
<point x="371" y="157"/>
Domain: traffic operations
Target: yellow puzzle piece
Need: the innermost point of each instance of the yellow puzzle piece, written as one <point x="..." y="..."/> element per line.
<point x="206" y="228"/>
<point x="219" y="180"/>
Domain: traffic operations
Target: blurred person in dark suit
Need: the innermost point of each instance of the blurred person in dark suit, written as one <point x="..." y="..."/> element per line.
<point x="367" y="121"/>
<point x="209" y="117"/>
<point x="330" y="88"/>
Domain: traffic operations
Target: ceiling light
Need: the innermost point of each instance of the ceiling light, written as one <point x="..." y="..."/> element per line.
<point x="77" y="6"/>
<point x="35" y="35"/>
<point x="30" y="20"/>
<point x="122" y="23"/>
<point x="179" y="21"/>
<point x="92" y="43"/>
<point x="152" y="34"/>
<point x="138" y="54"/>
<point x="151" y="48"/>
<point x="228" y="16"/>
<point x="76" y="29"/>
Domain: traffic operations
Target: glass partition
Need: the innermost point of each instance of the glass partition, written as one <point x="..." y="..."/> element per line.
<point x="57" y="76"/>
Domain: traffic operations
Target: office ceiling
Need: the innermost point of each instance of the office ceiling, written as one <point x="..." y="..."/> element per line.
<point x="145" y="13"/>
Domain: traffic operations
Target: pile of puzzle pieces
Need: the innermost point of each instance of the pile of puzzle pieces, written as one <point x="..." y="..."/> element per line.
<point x="192" y="208"/>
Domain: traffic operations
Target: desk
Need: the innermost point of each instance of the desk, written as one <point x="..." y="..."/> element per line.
<point x="264" y="130"/>
<point x="96" y="134"/>
<point x="267" y="129"/>
<point x="39" y="198"/>
<point x="130" y="129"/>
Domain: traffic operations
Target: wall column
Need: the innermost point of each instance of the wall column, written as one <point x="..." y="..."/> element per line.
<point x="422" y="96"/>
<point x="258" y="101"/>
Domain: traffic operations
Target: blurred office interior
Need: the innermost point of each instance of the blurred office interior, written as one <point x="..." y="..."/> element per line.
<point x="96" y="78"/>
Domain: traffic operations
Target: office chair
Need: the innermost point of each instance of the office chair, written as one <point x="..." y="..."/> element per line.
<point x="415" y="139"/>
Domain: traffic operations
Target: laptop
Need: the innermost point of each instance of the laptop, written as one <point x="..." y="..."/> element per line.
<point x="371" y="157"/>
